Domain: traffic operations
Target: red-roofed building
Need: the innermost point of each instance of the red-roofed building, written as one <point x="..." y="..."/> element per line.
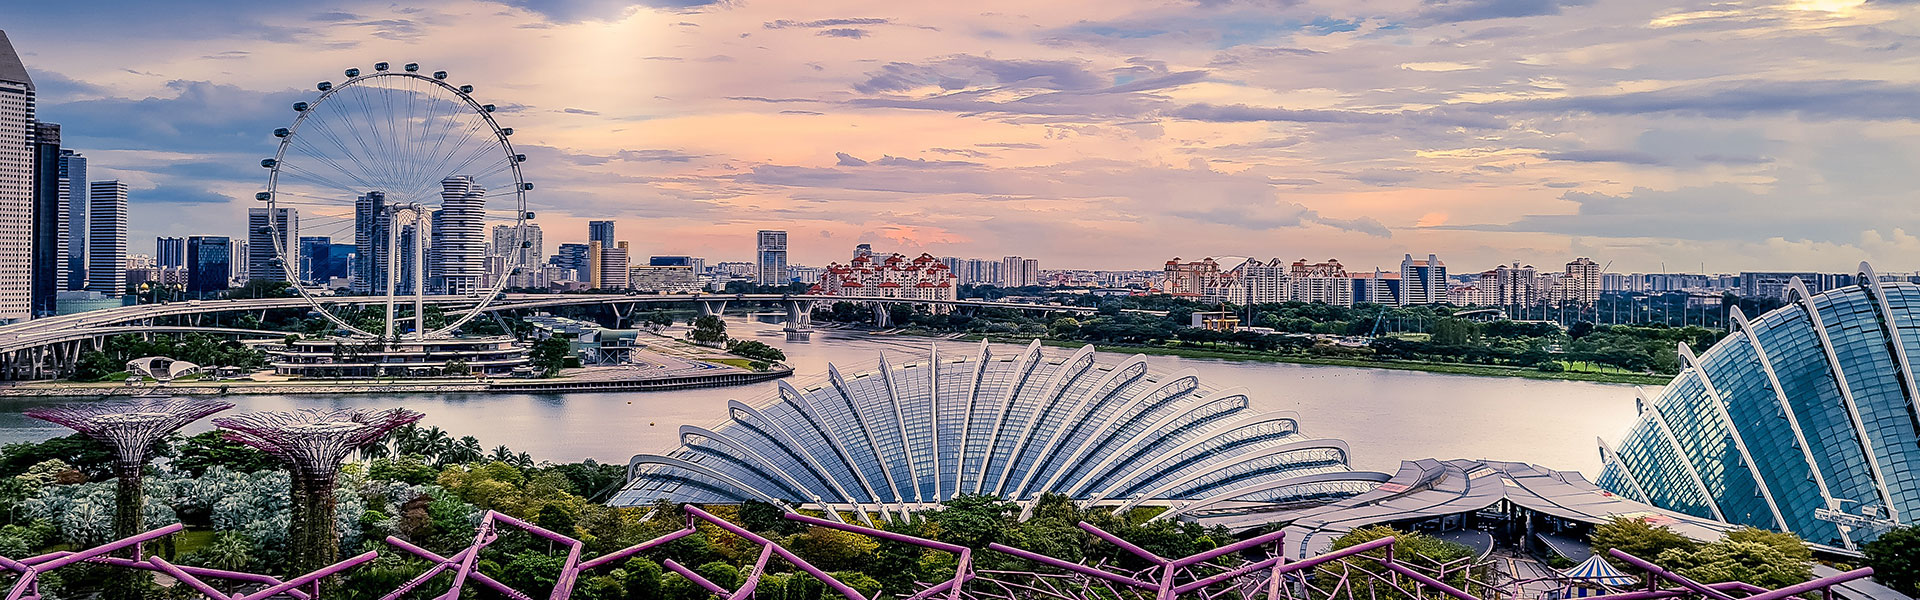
<point x="889" y="276"/>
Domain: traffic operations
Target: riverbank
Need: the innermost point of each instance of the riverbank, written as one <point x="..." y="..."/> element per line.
<point x="592" y="379"/>
<point x="1429" y="367"/>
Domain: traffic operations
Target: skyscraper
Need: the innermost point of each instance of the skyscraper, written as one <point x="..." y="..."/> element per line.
<point x="574" y="257"/>
<point x="1423" y="281"/>
<point x="371" y="223"/>
<point x="1019" y="272"/>
<point x="770" y="264"/>
<point x="316" y="254"/>
<point x="267" y="242"/>
<point x="17" y="126"/>
<point x="600" y="231"/>
<point x="47" y="225"/>
<point x="458" y="257"/>
<point x="73" y="251"/>
<point x="520" y="248"/>
<point x="596" y="254"/>
<point x="170" y="252"/>
<point x="1583" y="281"/>
<point x="209" y="263"/>
<point x="614" y="268"/>
<point x="107" y="237"/>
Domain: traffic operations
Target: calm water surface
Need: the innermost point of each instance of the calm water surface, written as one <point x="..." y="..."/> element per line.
<point x="1385" y="415"/>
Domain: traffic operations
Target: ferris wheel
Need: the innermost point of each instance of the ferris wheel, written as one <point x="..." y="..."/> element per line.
<point x="419" y="176"/>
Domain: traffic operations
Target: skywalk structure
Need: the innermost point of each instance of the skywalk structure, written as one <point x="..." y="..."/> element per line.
<point x="1806" y="419"/>
<point x="1015" y="425"/>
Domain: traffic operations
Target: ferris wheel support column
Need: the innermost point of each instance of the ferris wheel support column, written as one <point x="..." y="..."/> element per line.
<point x="393" y="266"/>
<point x="422" y="233"/>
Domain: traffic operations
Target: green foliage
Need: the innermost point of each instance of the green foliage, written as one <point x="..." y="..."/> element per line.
<point x="755" y="350"/>
<point x="90" y="456"/>
<point x="1895" y="558"/>
<point x="1748" y="555"/>
<point x="550" y="355"/>
<point x="410" y="468"/>
<point x="197" y="453"/>
<point x="1637" y="537"/>
<point x="709" y="329"/>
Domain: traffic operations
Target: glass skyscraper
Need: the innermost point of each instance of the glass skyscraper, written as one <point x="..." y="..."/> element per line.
<point x="1805" y="411"/>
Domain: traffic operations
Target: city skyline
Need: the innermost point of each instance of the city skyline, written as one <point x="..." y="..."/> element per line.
<point x="1099" y="136"/>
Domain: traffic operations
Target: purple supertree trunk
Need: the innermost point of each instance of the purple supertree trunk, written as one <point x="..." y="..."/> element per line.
<point x="313" y="443"/>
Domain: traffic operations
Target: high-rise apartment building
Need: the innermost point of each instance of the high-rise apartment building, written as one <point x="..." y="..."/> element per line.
<point x="17" y="129"/>
<point x="107" y="237"/>
<point x="371" y="228"/>
<point x="615" y="268"/>
<point x="519" y="248"/>
<point x="1018" y="272"/>
<point x="48" y="228"/>
<point x="1324" y="282"/>
<point x="267" y="242"/>
<point x="171" y="252"/>
<point x="209" y="263"/>
<point x="575" y="258"/>
<point x="458" y="255"/>
<point x="596" y="256"/>
<point x="1422" y="281"/>
<point x="1582" y="282"/>
<point x="770" y="259"/>
<point x="73" y="251"/>
<point x="600" y="231"/>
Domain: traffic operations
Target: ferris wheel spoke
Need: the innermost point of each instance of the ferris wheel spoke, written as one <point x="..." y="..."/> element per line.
<point x="302" y="174"/>
<point x="380" y="166"/>
<point x="459" y="147"/>
<point x="325" y="129"/>
<point x="323" y="158"/>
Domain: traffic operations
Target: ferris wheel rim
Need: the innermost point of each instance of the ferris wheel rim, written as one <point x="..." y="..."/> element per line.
<point x="290" y="269"/>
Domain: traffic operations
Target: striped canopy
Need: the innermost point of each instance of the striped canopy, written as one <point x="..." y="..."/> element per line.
<point x="1597" y="571"/>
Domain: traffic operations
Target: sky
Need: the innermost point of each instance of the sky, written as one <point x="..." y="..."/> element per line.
<point x="1651" y="135"/>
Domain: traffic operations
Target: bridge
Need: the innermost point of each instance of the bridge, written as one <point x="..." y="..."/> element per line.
<point x="51" y="346"/>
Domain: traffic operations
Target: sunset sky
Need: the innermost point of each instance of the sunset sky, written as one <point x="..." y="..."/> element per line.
<point x="1113" y="134"/>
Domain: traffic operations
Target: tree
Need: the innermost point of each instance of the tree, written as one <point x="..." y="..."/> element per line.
<point x="550" y="355"/>
<point x="708" y="329"/>
<point x="197" y="453"/>
<point x="1749" y="555"/>
<point x="90" y="456"/>
<point x="1637" y="537"/>
<point x="1895" y="558"/>
<point x="755" y="350"/>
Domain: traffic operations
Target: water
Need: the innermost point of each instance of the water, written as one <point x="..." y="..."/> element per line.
<point x="1385" y="415"/>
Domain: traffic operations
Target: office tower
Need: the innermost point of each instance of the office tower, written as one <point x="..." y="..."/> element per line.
<point x="48" y="235"/>
<point x="107" y="237"/>
<point x="171" y="252"/>
<point x="267" y="242"/>
<point x="371" y="223"/>
<point x="1422" y="281"/>
<point x="524" y="247"/>
<point x="600" y="231"/>
<point x="340" y="260"/>
<point x="209" y="263"/>
<point x="316" y="253"/>
<point x="614" y="268"/>
<point x="458" y="256"/>
<point x="73" y="250"/>
<point x="1018" y="272"/>
<point x="574" y="257"/>
<point x="596" y="254"/>
<point x="863" y="251"/>
<point x="17" y="126"/>
<point x="770" y="264"/>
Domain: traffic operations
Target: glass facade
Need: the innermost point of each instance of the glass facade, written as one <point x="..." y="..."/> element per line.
<point x="1012" y="425"/>
<point x="1810" y="406"/>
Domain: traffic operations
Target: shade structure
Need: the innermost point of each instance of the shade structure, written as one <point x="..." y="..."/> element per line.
<point x="1597" y="571"/>
<point x="1011" y="424"/>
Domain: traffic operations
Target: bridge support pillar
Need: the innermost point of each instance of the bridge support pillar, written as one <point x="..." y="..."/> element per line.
<point x="712" y="308"/>
<point x="799" y="326"/>
<point x="881" y="318"/>
<point x="621" y="312"/>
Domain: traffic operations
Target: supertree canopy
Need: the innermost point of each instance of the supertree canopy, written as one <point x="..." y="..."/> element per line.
<point x="131" y="427"/>
<point x="313" y="443"/>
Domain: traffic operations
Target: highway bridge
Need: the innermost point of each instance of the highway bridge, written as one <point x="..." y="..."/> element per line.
<point x="49" y="347"/>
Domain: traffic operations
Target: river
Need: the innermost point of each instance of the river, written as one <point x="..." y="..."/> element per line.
<point x="1385" y="415"/>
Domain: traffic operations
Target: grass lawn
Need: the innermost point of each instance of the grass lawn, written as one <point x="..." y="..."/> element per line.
<point x="191" y="540"/>
<point x="732" y="362"/>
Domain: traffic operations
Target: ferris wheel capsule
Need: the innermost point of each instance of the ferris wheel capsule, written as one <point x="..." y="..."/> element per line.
<point x="413" y="67"/>
<point x="506" y="131"/>
<point x="263" y="196"/>
<point x="466" y="89"/>
<point x="528" y="186"/>
<point x="486" y="107"/>
<point x="379" y="66"/>
<point x="353" y="72"/>
<point x="325" y="85"/>
<point x="520" y="158"/>
<point x="439" y="74"/>
<point x="300" y="107"/>
<point x="282" y="132"/>
<point x="269" y="163"/>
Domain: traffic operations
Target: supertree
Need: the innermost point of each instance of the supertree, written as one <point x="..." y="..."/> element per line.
<point x="313" y="443"/>
<point x="131" y="427"/>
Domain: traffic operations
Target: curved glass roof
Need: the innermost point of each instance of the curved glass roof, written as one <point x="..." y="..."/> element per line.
<point x="1014" y="425"/>
<point x="1808" y="407"/>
